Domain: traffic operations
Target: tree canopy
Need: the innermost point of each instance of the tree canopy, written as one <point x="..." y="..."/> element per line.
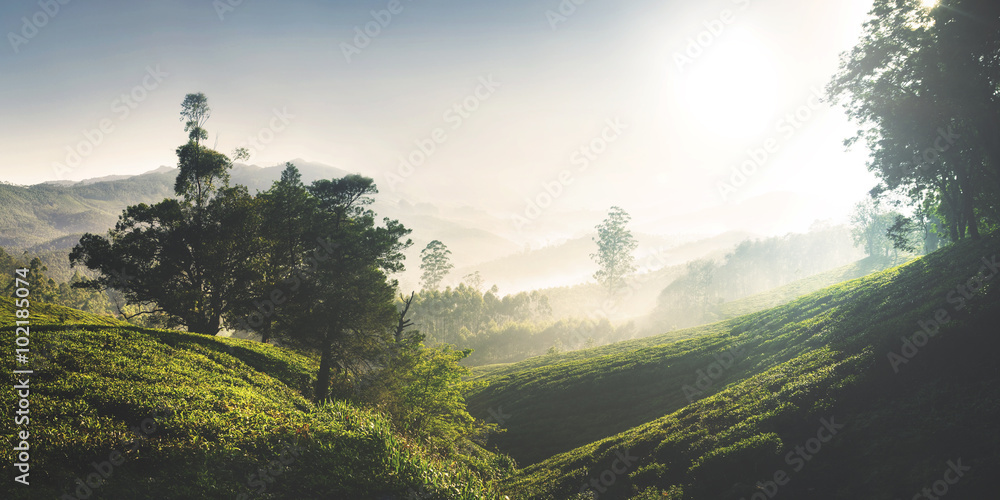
<point x="183" y="257"/>
<point x="923" y="86"/>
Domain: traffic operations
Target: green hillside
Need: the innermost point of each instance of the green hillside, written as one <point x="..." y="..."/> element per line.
<point x="739" y="307"/>
<point x="786" y="293"/>
<point x="762" y="384"/>
<point x="142" y="413"/>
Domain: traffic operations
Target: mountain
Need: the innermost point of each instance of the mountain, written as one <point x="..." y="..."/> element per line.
<point x="569" y="262"/>
<point x="894" y="373"/>
<point x="50" y="217"/>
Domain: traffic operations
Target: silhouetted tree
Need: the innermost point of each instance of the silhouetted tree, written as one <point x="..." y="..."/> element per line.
<point x="189" y="257"/>
<point x="194" y="113"/>
<point x="343" y="305"/>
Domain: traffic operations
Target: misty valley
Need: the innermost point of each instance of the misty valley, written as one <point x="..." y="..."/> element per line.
<point x="563" y="250"/>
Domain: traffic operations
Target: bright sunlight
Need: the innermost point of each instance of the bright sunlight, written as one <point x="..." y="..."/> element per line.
<point x="732" y="88"/>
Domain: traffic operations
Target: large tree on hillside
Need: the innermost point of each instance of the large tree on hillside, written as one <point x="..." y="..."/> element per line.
<point x="343" y="303"/>
<point x="923" y="85"/>
<point x="189" y="257"/>
<point x="435" y="264"/>
<point x="615" y="245"/>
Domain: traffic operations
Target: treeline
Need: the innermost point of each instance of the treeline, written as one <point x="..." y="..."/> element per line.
<point x="453" y="315"/>
<point x="504" y="329"/>
<point x="46" y="289"/>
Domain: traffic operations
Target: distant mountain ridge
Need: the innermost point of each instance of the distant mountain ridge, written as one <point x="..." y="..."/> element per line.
<point x="50" y="217"/>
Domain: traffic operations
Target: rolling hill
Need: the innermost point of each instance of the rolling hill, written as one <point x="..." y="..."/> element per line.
<point x="871" y="388"/>
<point x="119" y="412"/>
<point x="901" y="358"/>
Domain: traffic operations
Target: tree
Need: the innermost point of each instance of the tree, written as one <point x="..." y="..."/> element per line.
<point x="615" y="245"/>
<point x="343" y="303"/>
<point x="191" y="257"/>
<point x="434" y="264"/>
<point x="474" y="280"/>
<point x="870" y="225"/>
<point x="922" y="84"/>
<point x="287" y="243"/>
<point x="690" y="299"/>
<point x="194" y="113"/>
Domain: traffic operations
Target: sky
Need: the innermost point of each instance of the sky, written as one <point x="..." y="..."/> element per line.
<point x="693" y="117"/>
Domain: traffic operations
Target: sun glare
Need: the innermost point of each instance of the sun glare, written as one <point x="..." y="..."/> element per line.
<point x="731" y="89"/>
<point x="929" y="4"/>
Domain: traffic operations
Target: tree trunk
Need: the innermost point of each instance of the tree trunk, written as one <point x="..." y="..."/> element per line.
<point x="214" y="324"/>
<point x="325" y="362"/>
<point x="265" y="330"/>
<point x="967" y="199"/>
<point x="970" y="219"/>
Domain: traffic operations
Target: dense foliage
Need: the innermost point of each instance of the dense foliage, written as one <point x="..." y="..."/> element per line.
<point x="922" y="84"/>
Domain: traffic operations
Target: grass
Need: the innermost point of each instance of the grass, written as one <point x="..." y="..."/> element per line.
<point x="190" y="416"/>
<point x="821" y="356"/>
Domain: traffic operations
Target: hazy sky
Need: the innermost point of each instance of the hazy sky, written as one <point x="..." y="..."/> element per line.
<point x="649" y="105"/>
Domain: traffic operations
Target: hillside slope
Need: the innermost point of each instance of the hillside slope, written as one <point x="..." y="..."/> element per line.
<point x="739" y="307"/>
<point x="786" y="293"/>
<point x="123" y="412"/>
<point x="762" y="384"/>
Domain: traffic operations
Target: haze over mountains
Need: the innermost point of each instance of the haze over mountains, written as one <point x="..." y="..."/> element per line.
<point x="50" y="217"/>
